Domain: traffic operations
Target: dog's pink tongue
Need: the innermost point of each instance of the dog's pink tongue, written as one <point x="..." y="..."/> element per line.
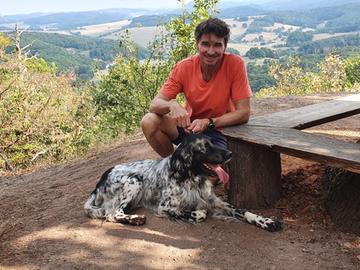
<point x="223" y="176"/>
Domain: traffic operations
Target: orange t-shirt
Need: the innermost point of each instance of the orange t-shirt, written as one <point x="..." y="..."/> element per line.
<point x="213" y="98"/>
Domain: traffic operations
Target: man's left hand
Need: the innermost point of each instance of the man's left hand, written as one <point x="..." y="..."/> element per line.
<point x="198" y="125"/>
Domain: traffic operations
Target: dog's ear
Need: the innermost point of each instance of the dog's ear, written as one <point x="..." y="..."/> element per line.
<point x="180" y="161"/>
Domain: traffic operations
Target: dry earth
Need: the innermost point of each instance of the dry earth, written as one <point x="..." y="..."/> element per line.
<point x="43" y="225"/>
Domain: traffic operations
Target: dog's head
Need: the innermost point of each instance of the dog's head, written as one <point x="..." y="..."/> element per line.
<point x="197" y="155"/>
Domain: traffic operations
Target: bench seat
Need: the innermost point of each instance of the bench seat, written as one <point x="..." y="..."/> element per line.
<point x="311" y="115"/>
<point x="301" y="144"/>
<point x="255" y="168"/>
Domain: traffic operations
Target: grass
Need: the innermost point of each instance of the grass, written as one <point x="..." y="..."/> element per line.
<point x="101" y="29"/>
<point x="141" y="35"/>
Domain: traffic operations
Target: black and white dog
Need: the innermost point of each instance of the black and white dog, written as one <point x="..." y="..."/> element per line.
<point x="176" y="187"/>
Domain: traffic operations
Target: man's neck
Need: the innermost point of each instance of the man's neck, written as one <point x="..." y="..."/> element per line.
<point x="209" y="71"/>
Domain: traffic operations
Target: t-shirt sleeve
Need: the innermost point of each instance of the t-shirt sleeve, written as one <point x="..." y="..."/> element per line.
<point x="173" y="85"/>
<point x="240" y="87"/>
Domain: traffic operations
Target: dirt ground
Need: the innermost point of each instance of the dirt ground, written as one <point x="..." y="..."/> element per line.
<point x="43" y="225"/>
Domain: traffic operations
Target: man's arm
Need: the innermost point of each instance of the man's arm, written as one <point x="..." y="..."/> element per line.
<point x="162" y="105"/>
<point x="240" y="116"/>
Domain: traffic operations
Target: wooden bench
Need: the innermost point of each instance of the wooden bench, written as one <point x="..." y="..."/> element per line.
<point x="255" y="168"/>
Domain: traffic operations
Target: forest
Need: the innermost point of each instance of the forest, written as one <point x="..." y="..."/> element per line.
<point x="81" y="54"/>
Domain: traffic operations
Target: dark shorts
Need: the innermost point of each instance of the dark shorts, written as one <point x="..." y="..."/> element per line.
<point x="215" y="136"/>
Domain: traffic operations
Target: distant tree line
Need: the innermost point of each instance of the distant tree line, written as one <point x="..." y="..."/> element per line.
<point x="298" y="38"/>
<point x="344" y="18"/>
<point x="325" y="46"/>
<point x="77" y="53"/>
<point x="255" y="53"/>
<point x="259" y="76"/>
<point x="71" y="20"/>
<point x="150" y="20"/>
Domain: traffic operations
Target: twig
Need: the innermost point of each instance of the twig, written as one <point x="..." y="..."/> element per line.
<point x="8" y="87"/>
<point x="7" y="162"/>
<point x="38" y="154"/>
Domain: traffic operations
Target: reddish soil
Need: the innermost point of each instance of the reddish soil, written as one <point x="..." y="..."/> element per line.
<point x="43" y="225"/>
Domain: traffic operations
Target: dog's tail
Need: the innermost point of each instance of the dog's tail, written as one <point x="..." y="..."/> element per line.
<point x="91" y="209"/>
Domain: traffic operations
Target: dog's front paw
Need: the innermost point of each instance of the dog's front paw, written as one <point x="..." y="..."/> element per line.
<point x="137" y="220"/>
<point x="272" y="225"/>
<point x="194" y="217"/>
<point x="199" y="215"/>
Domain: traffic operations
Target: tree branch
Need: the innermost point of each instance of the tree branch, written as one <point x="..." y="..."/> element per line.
<point x="8" y="87"/>
<point x="7" y="162"/>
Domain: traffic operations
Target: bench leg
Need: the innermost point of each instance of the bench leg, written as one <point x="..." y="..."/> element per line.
<point x="255" y="175"/>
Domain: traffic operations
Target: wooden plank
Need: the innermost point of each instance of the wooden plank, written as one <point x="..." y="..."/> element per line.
<point x="311" y="115"/>
<point x="255" y="175"/>
<point x="300" y="144"/>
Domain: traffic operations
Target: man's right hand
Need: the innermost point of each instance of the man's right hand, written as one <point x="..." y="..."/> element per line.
<point x="162" y="105"/>
<point x="179" y="114"/>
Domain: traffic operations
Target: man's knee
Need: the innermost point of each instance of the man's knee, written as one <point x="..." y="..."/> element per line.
<point x="150" y="122"/>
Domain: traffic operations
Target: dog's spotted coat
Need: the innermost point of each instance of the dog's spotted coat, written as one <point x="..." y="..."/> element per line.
<point x="175" y="187"/>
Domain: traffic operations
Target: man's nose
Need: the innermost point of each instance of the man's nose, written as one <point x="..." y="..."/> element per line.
<point x="211" y="50"/>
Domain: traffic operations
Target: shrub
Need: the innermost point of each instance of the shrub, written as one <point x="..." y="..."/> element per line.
<point x="291" y="79"/>
<point x="41" y="116"/>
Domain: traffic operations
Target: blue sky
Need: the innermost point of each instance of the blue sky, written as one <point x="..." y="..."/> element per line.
<point x="8" y="7"/>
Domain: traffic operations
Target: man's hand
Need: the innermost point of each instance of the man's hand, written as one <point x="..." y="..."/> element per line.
<point x="198" y="125"/>
<point x="179" y="114"/>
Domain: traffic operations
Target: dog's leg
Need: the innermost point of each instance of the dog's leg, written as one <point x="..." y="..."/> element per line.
<point x="226" y="211"/>
<point x="124" y="201"/>
<point x="169" y="207"/>
<point x="195" y="216"/>
<point x="123" y="218"/>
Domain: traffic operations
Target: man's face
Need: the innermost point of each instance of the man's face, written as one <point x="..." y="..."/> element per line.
<point x="211" y="49"/>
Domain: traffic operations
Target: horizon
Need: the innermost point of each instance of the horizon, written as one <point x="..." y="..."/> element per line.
<point x="18" y="7"/>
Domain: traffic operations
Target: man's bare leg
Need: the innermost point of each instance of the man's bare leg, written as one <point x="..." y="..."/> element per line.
<point x="159" y="131"/>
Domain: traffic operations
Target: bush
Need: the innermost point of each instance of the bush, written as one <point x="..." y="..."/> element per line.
<point x="291" y="79"/>
<point x="42" y="117"/>
<point x="123" y="96"/>
<point x="352" y="70"/>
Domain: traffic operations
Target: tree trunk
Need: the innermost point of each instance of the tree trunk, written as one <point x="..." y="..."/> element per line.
<point x="343" y="201"/>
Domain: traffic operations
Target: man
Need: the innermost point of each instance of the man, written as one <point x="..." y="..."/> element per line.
<point x="216" y="89"/>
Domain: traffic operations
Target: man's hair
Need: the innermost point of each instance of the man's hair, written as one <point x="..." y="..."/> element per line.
<point x="213" y="26"/>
